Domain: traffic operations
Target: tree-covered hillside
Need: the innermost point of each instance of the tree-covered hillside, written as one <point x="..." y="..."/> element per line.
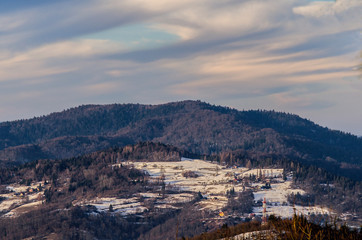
<point x="191" y="125"/>
<point x="62" y="198"/>
<point x="65" y="185"/>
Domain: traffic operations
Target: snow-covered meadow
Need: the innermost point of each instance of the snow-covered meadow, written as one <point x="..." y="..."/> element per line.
<point x="187" y="178"/>
<point x="214" y="180"/>
<point x="20" y="200"/>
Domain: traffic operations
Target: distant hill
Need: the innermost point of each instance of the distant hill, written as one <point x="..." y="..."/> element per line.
<point x="194" y="126"/>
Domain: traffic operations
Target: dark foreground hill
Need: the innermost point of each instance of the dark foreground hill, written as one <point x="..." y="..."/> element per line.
<point x="191" y="125"/>
<point x="296" y="228"/>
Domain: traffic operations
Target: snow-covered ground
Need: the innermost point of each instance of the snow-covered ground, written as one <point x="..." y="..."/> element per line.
<point x="19" y="200"/>
<point x="212" y="178"/>
<point x="278" y="193"/>
<point x="277" y="202"/>
<point x="22" y="209"/>
<point x="288" y="211"/>
<point x="121" y="206"/>
<point x="7" y="203"/>
<point x="214" y="181"/>
<point x="250" y="235"/>
<point x="268" y="172"/>
<point x="135" y="205"/>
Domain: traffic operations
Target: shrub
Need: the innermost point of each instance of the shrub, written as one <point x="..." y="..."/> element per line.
<point x="190" y="174"/>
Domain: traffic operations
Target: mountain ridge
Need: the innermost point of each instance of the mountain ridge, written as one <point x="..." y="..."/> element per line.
<point x="194" y="126"/>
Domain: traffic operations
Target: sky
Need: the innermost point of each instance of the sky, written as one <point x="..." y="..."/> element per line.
<point x="296" y="56"/>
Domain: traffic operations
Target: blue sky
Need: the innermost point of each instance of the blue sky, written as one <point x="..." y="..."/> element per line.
<point x="135" y="36"/>
<point x="296" y="56"/>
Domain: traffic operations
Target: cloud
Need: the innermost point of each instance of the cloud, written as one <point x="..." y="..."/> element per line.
<point x="289" y="55"/>
<point x="332" y="8"/>
<point x="53" y="59"/>
<point x="63" y="20"/>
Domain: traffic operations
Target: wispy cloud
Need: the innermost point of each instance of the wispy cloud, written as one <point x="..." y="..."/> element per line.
<point x="292" y="55"/>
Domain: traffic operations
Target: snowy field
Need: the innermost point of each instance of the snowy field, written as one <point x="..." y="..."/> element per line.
<point x="278" y="193"/>
<point x="135" y="205"/>
<point x="23" y="208"/>
<point x="214" y="181"/>
<point x="251" y="235"/>
<point x="121" y="206"/>
<point x="15" y="204"/>
<point x="277" y="202"/>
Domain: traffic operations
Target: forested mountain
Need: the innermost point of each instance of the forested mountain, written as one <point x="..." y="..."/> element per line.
<point x="194" y="126"/>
